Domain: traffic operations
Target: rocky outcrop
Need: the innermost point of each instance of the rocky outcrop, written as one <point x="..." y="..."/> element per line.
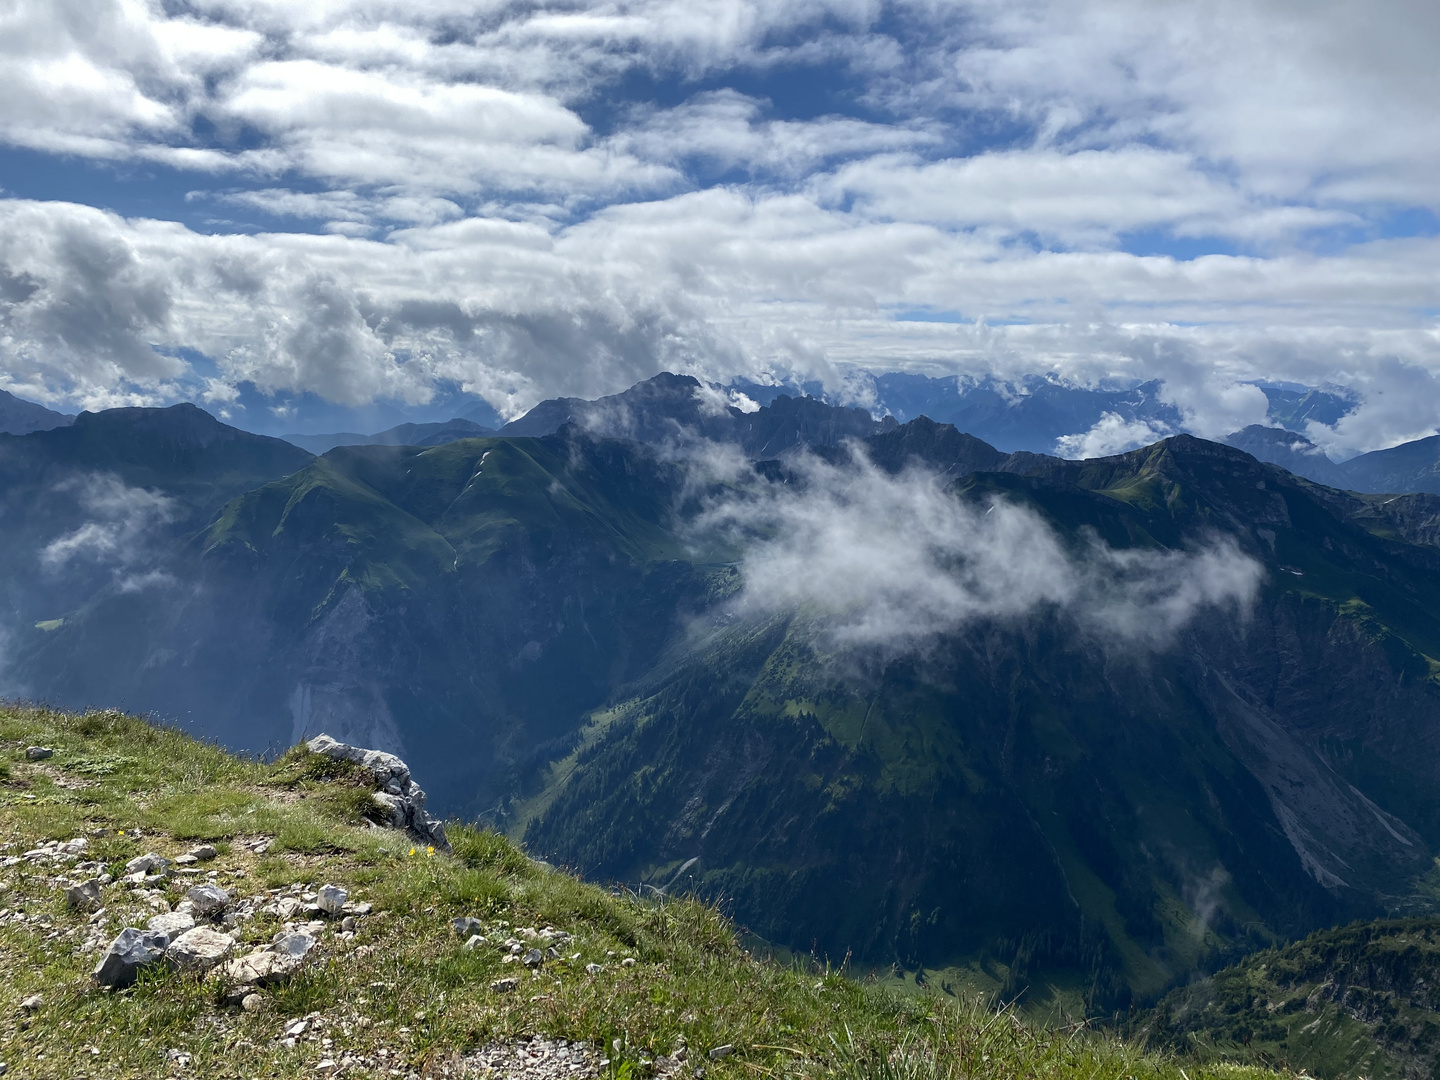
<point x="400" y="800"/>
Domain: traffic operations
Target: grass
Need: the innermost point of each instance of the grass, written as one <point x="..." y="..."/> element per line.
<point x="404" y="985"/>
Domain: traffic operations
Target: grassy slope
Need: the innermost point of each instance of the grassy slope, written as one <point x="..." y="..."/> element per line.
<point x="1118" y="769"/>
<point x="113" y="775"/>
<point x="1358" y="1000"/>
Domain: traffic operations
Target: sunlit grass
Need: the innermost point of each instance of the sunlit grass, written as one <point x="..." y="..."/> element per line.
<point x="406" y="983"/>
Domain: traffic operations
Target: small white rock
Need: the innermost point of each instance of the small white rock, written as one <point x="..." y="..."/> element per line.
<point x="331" y="899"/>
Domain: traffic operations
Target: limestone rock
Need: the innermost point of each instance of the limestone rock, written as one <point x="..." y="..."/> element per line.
<point x="400" y="800"/>
<point x="331" y="899"/>
<point x="390" y="772"/>
<point x="467" y="927"/>
<point x="208" y="899"/>
<point x="85" y="896"/>
<point x="38" y="753"/>
<point x="263" y="968"/>
<point x="172" y="923"/>
<point x="203" y="853"/>
<point x="148" y="864"/>
<point x="295" y="944"/>
<point x="132" y="951"/>
<point x="199" y="949"/>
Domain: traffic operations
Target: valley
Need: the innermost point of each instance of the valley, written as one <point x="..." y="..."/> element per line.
<point x="1162" y="710"/>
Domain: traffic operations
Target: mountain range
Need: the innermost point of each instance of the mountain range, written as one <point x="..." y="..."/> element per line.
<point x="886" y="689"/>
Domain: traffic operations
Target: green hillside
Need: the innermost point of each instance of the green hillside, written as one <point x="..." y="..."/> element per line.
<point x="1359" y="1000"/>
<point x="1023" y="806"/>
<point x="481" y="594"/>
<point x="1027" y="810"/>
<point x="99" y="505"/>
<point x="639" y="987"/>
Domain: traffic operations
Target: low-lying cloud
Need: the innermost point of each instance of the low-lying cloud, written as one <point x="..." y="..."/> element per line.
<point x="1111" y="434"/>
<point x="893" y="561"/>
<point x="120" y="520"/>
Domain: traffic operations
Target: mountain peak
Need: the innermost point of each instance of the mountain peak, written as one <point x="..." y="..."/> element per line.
<point x="184" y="423"/>
<point x="20" y="417"/>
<point x="154" y="444"/>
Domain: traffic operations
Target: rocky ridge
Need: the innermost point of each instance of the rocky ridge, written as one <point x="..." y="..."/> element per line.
<point x="400" y="799"/>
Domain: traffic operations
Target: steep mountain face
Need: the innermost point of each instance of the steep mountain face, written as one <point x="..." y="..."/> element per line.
<point x="1292" y="408"/>
<point x="1293" y="453"/>
<point x="1358" y="1000"/>
<point x="100" y="504"/>
<point x="463" y="604"/>
<point x="401" y="435"/>
<point x="1109" y="794"/>
<point x="678" y="408"/>
<point x="1412" y="466"/>
<point x="1033" y="413"/>
<point x="1029" y="414"/>
<point x="1033" y="796"/>
<point x="20" y="417"/>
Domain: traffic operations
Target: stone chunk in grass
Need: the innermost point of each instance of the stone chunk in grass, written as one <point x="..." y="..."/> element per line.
<point x="199" y="949"/>
<point x="149" y="863"/>
<point x="259" y="969"/>
<point x="208" y="899"/>
<point x="331" y="899"/>
<point x="172" y="923"/>
<point x="84" y="897"/>
<point x="131" y="952"/>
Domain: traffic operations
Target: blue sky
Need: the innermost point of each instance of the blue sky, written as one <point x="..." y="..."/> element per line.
<point x="363" y="208"/>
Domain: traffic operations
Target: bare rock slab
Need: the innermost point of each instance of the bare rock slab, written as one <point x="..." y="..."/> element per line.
<point x="262" y="968"/>
<point x="85" y="896"/>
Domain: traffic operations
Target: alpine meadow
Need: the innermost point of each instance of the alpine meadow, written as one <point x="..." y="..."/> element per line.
<point x="639" y="540"/>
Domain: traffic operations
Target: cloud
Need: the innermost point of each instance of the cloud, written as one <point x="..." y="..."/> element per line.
<point x="1082" y="198"/>
<point x="895" y="561"/>
<point x="1112" y="434"/>
<point x="557" y="198"/>
<point x="121" y="520"/>
<point x="714" y="283"/>
<point x="723" y="130"/>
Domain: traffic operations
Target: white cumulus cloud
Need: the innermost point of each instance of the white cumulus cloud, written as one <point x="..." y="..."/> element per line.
<point x="893" y="561"/>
